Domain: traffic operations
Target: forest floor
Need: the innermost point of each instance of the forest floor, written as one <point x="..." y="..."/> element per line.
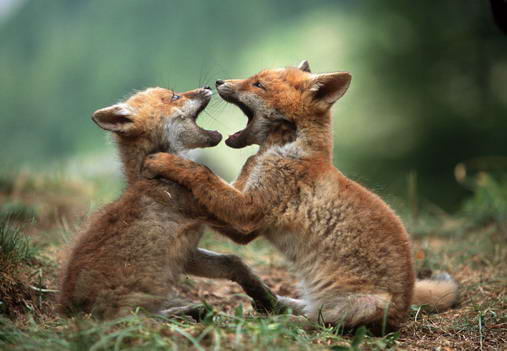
<point x="39" y="214"/>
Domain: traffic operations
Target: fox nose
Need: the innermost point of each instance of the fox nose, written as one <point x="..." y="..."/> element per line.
<point x="207" y="87"/>
<point x="219" y="82"/>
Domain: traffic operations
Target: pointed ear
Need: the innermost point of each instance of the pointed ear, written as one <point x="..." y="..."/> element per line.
<point x="329" y="87"/>
<point x="116" y="118"/>
<point x="304" y="66"/>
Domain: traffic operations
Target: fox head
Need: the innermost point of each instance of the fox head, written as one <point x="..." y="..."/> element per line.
<point x="158" y="119"/>
<point x="291" y="97"/>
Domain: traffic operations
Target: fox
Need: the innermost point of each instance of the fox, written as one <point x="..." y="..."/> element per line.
<point x="350" y="251"/>
<point x="133" y="251"/>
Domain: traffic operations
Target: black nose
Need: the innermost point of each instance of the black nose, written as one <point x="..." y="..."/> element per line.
<point x="219" y="83"/>
<point x="207" y="87"/>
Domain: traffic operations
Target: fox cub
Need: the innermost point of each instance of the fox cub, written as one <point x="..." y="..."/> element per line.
<point x="134" y="249"/>
<point x="349" y="249"/>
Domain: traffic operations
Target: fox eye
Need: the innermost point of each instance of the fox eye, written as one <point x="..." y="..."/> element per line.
<point x="175" y="97"/>
<point x="259" y="85"/>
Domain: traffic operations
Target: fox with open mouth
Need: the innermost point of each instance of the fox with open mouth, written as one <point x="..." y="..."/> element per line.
<point x="134" y="249"/>
<point x="349" y="249"/>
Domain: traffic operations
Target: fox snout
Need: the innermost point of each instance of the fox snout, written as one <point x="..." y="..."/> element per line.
<point x="197" y="100"/>
<point x="226" y="90"/>
<point x="184" y="133"/>
<point x="203" y="93"/>
<point x="206" y="90"/>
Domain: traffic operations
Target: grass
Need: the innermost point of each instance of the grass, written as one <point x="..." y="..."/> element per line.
<point x="218" y="331"/>
<point x="471" y="245"/>
<point x="17" y="256"/>
<point x="14" y="246"/>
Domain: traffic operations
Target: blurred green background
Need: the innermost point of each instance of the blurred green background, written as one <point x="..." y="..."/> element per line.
<point x="429" y="88"/>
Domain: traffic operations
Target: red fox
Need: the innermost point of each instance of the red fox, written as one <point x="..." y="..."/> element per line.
<point x="135" y="248"/>
<point x="349" y="249"/>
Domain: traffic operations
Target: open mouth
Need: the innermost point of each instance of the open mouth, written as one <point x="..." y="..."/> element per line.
<point x="213" y="137"/>
<point x="238" y="139"/>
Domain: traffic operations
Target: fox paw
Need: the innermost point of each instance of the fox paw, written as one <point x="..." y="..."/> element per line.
<point x="169" y="166"/>
<point x="270" y="305"/>
<point x="155" y="164"/>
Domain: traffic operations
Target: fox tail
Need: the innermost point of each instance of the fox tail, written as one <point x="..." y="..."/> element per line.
<point x="438" y="293"/>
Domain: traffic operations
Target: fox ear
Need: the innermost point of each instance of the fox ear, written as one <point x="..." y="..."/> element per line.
<point x="116" y="118"/>
<point x="304" y="66"/>
<point x="329" y="87"/>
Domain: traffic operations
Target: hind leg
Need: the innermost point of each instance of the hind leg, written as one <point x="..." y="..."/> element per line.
<point x="296" y="305"/>
<point x="351" y="310"/>
<point x="209" y="264"/>
<point x="111" y="304"/>
<point x="196" y="311"/>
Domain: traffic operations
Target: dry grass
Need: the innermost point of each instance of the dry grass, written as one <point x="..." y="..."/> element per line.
<point x="471" y="249"/>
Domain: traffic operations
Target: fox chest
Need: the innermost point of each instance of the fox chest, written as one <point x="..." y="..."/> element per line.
<point x="164" y="228"/>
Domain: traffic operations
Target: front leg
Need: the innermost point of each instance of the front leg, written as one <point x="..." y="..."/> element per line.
<point x="240" y="182"/>
<point x="209" y="264"/>
<point x="234" y="235"/>
<point x="242" y="211"/>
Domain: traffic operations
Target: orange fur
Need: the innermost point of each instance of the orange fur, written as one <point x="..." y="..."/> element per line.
<point x="350" y="250"/>
<point x="134" y="249"/>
